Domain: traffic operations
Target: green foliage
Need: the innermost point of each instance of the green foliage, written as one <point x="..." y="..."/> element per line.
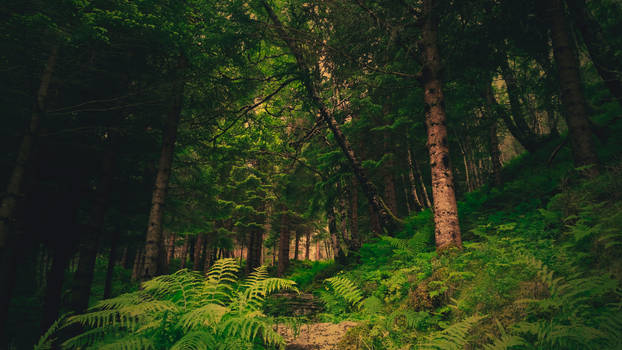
<point x="342" y="287"/>
<point x="454" y="337"/>
<point x="185" y="311"/>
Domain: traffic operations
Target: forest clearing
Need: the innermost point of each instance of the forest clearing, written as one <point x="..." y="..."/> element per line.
<point x="347" y="175"/>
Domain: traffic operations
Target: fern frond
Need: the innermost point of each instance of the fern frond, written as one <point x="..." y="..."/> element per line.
<point x="46" y="341"/>
<point x="346" y="289"/>
<point x="131" y="342"/>
<point x="453" y="337"/>
<point x="206" y="316"/>
<point x="197" y="340"/>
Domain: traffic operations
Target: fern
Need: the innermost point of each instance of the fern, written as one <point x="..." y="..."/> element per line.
<point x="183" y="310"/>
<point x="452" y="337"/>
<point x="46" y="341"/>
<point x="347" y="290"/>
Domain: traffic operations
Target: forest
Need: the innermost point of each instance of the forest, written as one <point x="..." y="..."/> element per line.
<point x="335" y="174"/>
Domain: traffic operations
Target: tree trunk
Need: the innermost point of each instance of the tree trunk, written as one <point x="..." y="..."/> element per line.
<point x="14" y="187"/>
<point x="387" y="219"/>
<point x="296" y="245"/>
<point x="447" y="227"/>
<point x="307" y="244"/>
<point x="111" y="262"/>
<point x="284" y="241"/>
<point x="354" y="216"/>
<point x="575" y="108"/>
<point x="153" y="254"/>
<point x="89" y="244"/>
<point x="198" y="249"/>
<point x="411" y="179"/>
<point x="54" y="285"/>
<point x="184" y="251"/>
<point x="171" y="248"/>
<point x="138" y="261"/>
<point x="601" y="54"/>
<point x="253" y="253"/>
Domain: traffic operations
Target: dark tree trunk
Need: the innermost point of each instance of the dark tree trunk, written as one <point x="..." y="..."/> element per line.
<point x="83" y="278"/>
<point x="387" y="221"/>
<point x="411" y="180"/>
<point x="447" y="227"/>
<point x="184" y="251"/>
<point x="112" y="258"/>
<point x="575" y="108"/>
<point x="198" y="249"/>
<point x="307" y="244"/>
<point x="153" y="254"/>
<point x="354" y="216"/>
<point x="14" y="187"/>
<point x="495" y="151"/>
<point x="253" y="255"/>
<point x="296" y="245"/>
<point x="54" y="285"/>
<point x="284" y="240"/>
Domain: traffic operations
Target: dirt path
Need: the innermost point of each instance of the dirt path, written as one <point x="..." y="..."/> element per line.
<point x="316" y="336"/>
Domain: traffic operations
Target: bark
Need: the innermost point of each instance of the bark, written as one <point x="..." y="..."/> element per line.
<point x="307" y="244"/>
<point x="406" y="196"/>
<point x="14" y="188"/>
<point x="83" y="277"/>
<point x="495" y="151"/>
<point x="284" y="240"/>
<point x="573" y="101"/>
<point x="253" y="253"/>
<point x="296" y="245"/>
<point x="601" y="54"/>
<point x="387" y="220"/>
<point x="447" y="228"/>
<point x="411" y="180"/>
<point x="54" y="286"/>
<point x="171" y="248"/>
<point x="153" y="264"/>
<point x="184" y="252"/>
<point x="112" y="257"/>
<point x="198" y="250"/>
<point x="354" y="216"/>
<point x="138" y="261"/>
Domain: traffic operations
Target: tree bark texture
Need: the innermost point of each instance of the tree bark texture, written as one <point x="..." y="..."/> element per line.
<point x="112" y="257"/>
<point x="153" y="253"/>
<point x="89" y="244"/>
<point x="447" y="227"/>
<point x="14" y="187"/>
<point x="284" y="240"/>
<point x="573" y="101"/>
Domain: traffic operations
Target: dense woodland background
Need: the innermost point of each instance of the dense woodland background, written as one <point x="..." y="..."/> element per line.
<point x="448" y="174"/>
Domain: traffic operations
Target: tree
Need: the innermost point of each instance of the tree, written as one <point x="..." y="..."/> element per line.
<point x="447" y="227"/>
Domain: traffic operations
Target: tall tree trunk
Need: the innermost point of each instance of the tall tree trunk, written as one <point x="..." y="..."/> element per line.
<point x="411" y="180"/>
<point x="14" y="187"/>
<point x="307" y="244"/>
<point x="387" y="219"/>
<point x="112" y="257"/>
<point x="284" y="241"/>
<point x="83" y="278"/>
<point x="601" y="53"/>
<point x="153" y="253"/>
<point x="54" y="285"/>
<point x="406" y="195"/>
<point x="296" y="245"/>
<point x="170" y="255"/>
<point x="575" y="107"/>
<point x="138" y="261"/>
<point x="354" y="216"/>
<point x="184" y="251"/>
<point x="198" y="249"/>
<point x="495" y="153"/>
<point x="447" y="227"/>
<point x="253" y="255"/>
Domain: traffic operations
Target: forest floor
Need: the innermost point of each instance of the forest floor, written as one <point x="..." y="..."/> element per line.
<point x="316" y="336"/>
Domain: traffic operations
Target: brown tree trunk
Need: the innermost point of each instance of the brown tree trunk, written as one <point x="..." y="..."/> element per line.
<point x="386" y="218"/>
<point x="153" y="254"/>
<point x="601" y="53"/>
<point x="575" y="108"/>
<point x="495" y="153"/>
<point x="138" y="261"/>
<point x="198" y="250"/>
<point x="253" y="255"/>
<point x="171" y="248"/>
<point x="447" y="227"/>
<point x="307" y="244"/>
<point x="284" y="240"/>
<point x="184" y="251"/>
<point x="14" y="187"/>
